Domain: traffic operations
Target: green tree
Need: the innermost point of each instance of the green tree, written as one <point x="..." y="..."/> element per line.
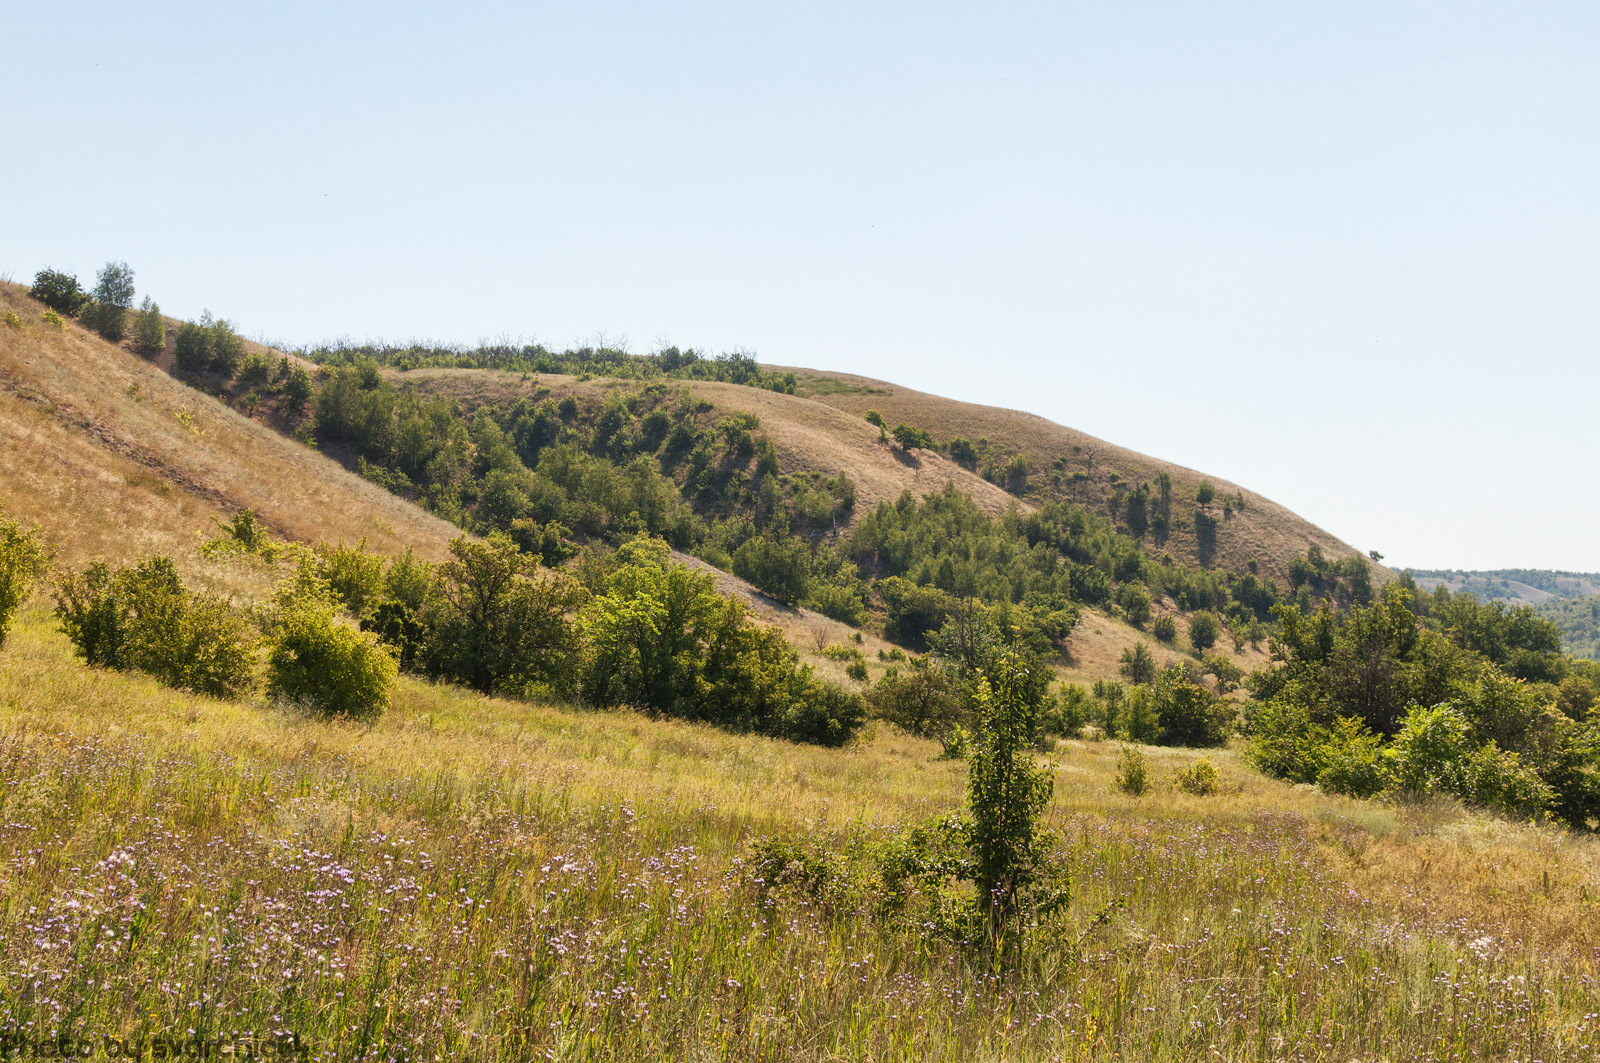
<point x="59" y="291"/>
<point x="22" y="564"/>
<point x="873" y="417"/>
<point x="1006" y="793"/>
<point x="910" y="437"/>
<point x="1203" y="631"/>
<point x="113" y="296"/>
<point x="297" y="389"/>
<point x="923" y="701"/>
<point x="778" y="567"/>
<point x="1205" y="492"/>
<point x="227" y="348"/>
<point x="1138" y="664"/>
<point x="150" y="328"/>
<point x="1135" y="602"/>
<point x="499" y="624"/>
<point x="192" y="348"/>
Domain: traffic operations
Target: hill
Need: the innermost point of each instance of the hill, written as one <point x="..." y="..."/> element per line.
<point x="1518" y="585"/>
<point x="1063" y="463"/>
<point x="820" y="429"/>
<point x="1579" y="621"/>
<point x="113" y="458"/>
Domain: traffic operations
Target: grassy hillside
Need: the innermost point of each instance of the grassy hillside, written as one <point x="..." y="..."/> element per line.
<point x="1259" y="529"/>
<point x="112" y="457"/>
<point x="1515" y="585"/>
<point x="492" y="880"/>
<point x="1579" y="621"/>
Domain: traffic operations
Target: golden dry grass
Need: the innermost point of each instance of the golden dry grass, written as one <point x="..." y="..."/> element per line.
<point x="113" y="458"/>
<point x="488" y="879"/>
<point x="1264" y="531"/>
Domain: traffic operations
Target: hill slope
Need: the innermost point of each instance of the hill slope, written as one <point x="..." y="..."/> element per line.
<point x="820" y="429"/>
<point x="1259" y="530"/>
<point x="114" y="458"/>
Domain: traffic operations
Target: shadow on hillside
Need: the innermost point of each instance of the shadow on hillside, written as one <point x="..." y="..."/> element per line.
<point x="906" y="458"/>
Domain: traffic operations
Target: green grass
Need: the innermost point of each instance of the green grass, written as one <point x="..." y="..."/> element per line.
<point x="481" y="879"/>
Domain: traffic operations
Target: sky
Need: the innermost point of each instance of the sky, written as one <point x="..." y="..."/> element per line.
<point x="1346" y="255"/>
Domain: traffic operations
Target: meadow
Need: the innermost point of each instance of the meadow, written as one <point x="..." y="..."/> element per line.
<point x="473" y="878"/>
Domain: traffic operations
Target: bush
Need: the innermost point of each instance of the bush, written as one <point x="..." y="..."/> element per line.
<point x="778" y="568"/>
<point x="1205" y="493"/>
<point x="354" y="576"/>
<point x="59" y="291"/>
<point x="1135" y="602"/>
<point x="335" y="670"/>
<point x="1190" y="714"/>
<point x="1164" y="628"/>
<point x="1203" y="631"/>
<point x="836" y="602"/>
<point x="150" y="329"/>
<point x="22" y="565"/>
<point x="1133" y="772"/>
<point x="1354" y="761"/>
<point x="144" y="618"/>
<point x="192" y="348"/>
<point x="910" y="437"/>
<point x="1199" y="778"/>
<point x="1138" y="664"/>
<point x="227" y="348"/>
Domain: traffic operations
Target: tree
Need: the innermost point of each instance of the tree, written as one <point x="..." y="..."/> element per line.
<point x="227" y="348"/>
<point x="499" y="624"/>
<point x="778" y="567"/>
<point x="909" y="437"/>
<point x="1138" y="664"/>
<point x="297" y="389"/>
<point x="1203" y="631"/>
<point x="59" y="291"/>
<point x="1006" y="793"/>
<point x="192" y="348"/>
<point x="113" y="296"/>
<point x="150" y="329"/>
<point x="873" y="417"/>
<point x="1205" y="492"/>
<point x="1135" y="602"/>
<point x="923" y="701"/>
<point x="22" y="565"/>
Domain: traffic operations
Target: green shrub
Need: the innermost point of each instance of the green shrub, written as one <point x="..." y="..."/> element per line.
<point x="778" y="568"/>
<point x="255" y="370"/>
<point x="1137" y="664"/>
<point x="354" y="576"/>
<point x="857" y="670"/>
<point x="1205" y="493"/>
<point x="59" y="291"/>
<point x="145" y="619"/>
<point x="149" y="329"/>
<point x="1354" y="761"/>
<point x="1203" y="631"/>
<point x="1199" y="778"/>
<point x="836" y="602"/>
<point x="1190" y="714"/>
<point x="22" y="565"/>
<point x="1133" y="772"/>
<point x="192" y="348"/>
<point x="1164" y="628"/>
<point x="315" y="661"/>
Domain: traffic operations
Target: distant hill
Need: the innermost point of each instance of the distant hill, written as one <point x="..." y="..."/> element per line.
<point x="1528" y="586"/>
<point x="1579" y="621"/>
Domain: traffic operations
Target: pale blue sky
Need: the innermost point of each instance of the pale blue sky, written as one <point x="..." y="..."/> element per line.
<point x="1344" y="254"/>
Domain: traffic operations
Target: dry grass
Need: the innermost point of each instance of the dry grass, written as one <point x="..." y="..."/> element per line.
<point x="474" y="878"/>
<point x="1264" y="531"/>
<point x="112" y="458"/>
